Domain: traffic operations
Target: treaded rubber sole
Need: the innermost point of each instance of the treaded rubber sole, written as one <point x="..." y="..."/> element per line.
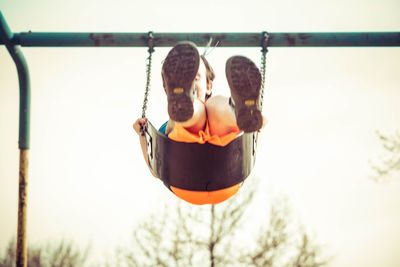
<point x="244" y="79"/>
<point x="179" y="72"/>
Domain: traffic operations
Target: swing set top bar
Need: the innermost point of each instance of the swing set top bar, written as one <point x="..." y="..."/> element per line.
<point x="277" y="39"/>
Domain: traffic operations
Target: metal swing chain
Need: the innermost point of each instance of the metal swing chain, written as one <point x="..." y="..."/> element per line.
<point x="150" y="44"/>
<point x="264" y="50"/>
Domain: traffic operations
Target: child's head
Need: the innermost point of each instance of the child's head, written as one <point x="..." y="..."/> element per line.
<point x="203" y="81"/>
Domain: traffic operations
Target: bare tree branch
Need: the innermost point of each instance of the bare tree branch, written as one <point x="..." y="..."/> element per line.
<point x="205" y="236"/>
<point x="391" y="162"/>
<point x="60" y="254"/>
<point x="272" y="239"/>
<point x="308" y="255"/>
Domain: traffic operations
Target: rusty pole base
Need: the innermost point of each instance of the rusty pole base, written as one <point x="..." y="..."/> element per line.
<point x="22" y="250"/>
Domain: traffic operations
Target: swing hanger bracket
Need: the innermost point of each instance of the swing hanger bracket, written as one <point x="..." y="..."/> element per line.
<point x="150" y="41"/>
<point x="265" y="42"/>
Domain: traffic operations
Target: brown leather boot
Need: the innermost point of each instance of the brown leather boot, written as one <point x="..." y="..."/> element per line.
<point x="179" y="72"/>
<point x="244" y="79"/>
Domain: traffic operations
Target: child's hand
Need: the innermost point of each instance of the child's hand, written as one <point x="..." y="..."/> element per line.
<point x="265" y="121"/>
<point x="138" y="125"/>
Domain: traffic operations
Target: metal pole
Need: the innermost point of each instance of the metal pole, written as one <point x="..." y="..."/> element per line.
<point x="277" y="39"/>
<point x="24" y="124"/>
<point x="22" y="247"/>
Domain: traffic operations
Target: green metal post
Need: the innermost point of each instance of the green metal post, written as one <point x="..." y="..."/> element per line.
<point x="24" y="114"/>
<point x="24" y="82"/>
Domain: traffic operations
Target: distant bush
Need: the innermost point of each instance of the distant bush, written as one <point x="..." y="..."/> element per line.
<point x="60" y="254"/>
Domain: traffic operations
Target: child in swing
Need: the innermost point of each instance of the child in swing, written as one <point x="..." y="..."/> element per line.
<point x="195" y="116"/>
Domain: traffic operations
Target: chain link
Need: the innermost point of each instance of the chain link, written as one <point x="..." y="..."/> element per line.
<point x="150" y="44"/>
<point x="264" y="51"/>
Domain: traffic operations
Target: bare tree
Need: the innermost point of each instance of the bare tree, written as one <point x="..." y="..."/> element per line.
<point x="391" y="161"/>
<point x="278" y="245"/>
<point x="10" y="256"/>
<point x="271" y="241"/>
<point x="208" y="236"/>
<point x="60" y="254"/>
<point x="187" y="236"/>
<point x="308" y="255"/>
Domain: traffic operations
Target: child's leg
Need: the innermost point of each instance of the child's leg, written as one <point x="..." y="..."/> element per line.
<point x="198" y="120"/>
<point x="244" y="79"/>
<point x="221" y="116"/>
<point x="243" y="110"/>
<point x="179" y="72"/>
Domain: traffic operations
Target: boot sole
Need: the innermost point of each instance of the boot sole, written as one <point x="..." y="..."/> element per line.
<point x="179" y="70"/>
<point x="244" y="79"/>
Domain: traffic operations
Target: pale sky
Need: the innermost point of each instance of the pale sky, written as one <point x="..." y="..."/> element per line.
<point x="88" y="182"/>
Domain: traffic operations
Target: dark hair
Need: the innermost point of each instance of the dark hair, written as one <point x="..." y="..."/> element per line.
<point x="210" y="74"/>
